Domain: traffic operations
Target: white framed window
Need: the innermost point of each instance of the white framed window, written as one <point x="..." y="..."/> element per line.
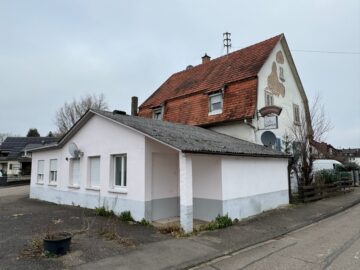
<point x="269" y="99"/>
<point x="215" y="103"/>
<point x="74" y="172"/>
<point x="157" y="114"/>
<point x="119" y="173"/>
<point x="53" y="171"/>
<point x="94" y="172"/>
<point x="40" y="171"/>
<point x="296" y="114"/>
<point x="281" y="74"/>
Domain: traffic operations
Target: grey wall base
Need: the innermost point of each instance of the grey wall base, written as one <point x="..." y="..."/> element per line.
<point x="203" y="209"/>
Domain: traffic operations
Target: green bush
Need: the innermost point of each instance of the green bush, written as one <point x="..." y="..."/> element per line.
<point x="126" y="216"/>
<point x="102" y="211"/>
<point x="325" y="177"/>
<point x="144" y="222"/>
<point x="220" y="222"/>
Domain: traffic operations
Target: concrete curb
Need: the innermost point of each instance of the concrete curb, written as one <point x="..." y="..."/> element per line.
<point x="206" y="259"/>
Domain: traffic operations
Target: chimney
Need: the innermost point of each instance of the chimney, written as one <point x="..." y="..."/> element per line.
<point x="134" y="106"/>
<point x="205" y="58"/>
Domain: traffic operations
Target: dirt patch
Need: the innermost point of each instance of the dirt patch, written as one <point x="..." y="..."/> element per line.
<point x="25" y="222"/>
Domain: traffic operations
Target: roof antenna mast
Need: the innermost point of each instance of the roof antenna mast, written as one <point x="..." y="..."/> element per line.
<point x="227" y="41"/>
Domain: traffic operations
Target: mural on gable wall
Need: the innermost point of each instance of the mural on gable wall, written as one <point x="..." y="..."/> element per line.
<point x="274" y="85"/>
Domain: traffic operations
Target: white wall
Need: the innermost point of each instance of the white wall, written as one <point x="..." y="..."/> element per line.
<point x="207" y="177"/>
<point x="245" y="176"/>
<point x="253" y="185"/>
<point x="101" y="137"/>
<point x="236" y="129"/>
<point x="292" y="95"/>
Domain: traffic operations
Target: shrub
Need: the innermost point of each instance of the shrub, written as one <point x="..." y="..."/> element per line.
<point x="126" y="216"/>
<point x="325" y="177"/>
<point x="102" y="211"/>
<point x="220" y="222"/>
<point x="144" y="222"/>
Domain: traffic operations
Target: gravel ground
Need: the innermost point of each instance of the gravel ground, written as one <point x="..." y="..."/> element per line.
<point x="24" y="221"/>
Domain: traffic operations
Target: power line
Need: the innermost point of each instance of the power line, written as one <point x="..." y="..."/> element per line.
<point x="332" y="52"/>
<point x="318" y="51"/>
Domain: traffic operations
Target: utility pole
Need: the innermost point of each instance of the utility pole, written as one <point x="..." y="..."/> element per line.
<point x="227" y="41"/>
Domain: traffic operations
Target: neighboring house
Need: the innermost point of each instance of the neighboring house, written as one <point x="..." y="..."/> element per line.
<point x="15" y="159"/>
<point x="322" y="150"/>
<point x="351" y="155"/>
<point x="157" y="169"/>
<point x="243" y="94"/>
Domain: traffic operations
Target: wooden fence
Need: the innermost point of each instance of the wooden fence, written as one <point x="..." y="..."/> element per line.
<point x="318" y="192"/>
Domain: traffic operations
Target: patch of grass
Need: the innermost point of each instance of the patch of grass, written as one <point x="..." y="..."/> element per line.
<point x="34" y="249"/>
<point x="172" y="229"/>
<point x="109" y="232"/>
<point x="144" y="222"/>
<point x="102" y="211"/>
<point x="220" y="222"/>
<point x="126" y="216"/>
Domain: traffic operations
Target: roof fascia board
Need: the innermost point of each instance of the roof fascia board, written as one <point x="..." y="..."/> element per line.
<point x="298" y="82"/>
<point x="284" y="156"/>
<point x="80" y="123"/>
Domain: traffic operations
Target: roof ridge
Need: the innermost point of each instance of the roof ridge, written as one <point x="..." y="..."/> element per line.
<point x="229" y="54"/>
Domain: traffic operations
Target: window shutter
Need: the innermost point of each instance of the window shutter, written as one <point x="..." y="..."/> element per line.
<point x="53" y="165"/>
<point x="95" y="171"/>
<point x="40" y="167"/>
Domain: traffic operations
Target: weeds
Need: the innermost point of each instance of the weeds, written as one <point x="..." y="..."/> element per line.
<point x="34" y="249"/>
<point x="144" y="222"/>
<point x="220" y="222"/>
<point x="126" y="216"/>
<point x="104" y="212"/>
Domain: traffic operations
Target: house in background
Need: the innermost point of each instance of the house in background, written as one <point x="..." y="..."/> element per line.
<point x="15" y="158"/>
<point x="254" y="94"/>
<point x="323" y="150"/>
<point x="157" y="169"/>
<point x="351" y="155"/>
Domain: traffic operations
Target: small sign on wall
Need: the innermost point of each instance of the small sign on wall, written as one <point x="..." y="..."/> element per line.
<point x="270" y="122"/>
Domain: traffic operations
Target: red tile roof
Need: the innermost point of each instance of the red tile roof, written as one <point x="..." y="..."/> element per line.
<point x="236" y="66"/>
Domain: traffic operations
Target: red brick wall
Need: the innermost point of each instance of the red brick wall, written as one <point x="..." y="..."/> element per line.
<point x="239" y="102"/>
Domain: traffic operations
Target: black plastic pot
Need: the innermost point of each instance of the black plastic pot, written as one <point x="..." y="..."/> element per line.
<point x="57" y="243"/>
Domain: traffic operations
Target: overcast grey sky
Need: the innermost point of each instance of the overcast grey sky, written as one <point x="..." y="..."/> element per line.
<point x="54" y="51"/>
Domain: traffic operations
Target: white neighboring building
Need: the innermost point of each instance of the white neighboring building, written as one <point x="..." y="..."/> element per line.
<point x="158" y="169"/>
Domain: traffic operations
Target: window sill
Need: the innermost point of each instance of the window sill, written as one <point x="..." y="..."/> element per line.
<point x="74" y="187"/>
<point x="93" y="188"/>
<point x="40" y="183"/>
<point x="118" y="190"/>
<point x="215" y="112"/>
<point x="52" y="185"/>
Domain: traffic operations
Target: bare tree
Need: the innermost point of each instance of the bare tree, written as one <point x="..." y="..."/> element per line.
<point x="3" y="136"/>
<point x="315" y="128"/>
<point x="71" y="112"/>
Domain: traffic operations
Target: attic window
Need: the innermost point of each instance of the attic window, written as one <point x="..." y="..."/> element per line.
<point x="157" y="113"/>
<point x="215" y="103"/>
<point x="296" y="114"/>
<point x="269" y="99"/>
<point x="281" y="74"/>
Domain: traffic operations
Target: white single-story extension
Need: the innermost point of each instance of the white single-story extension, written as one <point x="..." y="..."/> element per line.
<point x="157" y="169"/>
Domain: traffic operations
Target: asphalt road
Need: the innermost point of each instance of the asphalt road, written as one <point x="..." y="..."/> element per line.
<point x="18" y="190"/>
<point x="333" y="243"/>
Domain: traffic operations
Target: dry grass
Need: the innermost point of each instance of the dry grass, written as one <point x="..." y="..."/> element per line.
<point x="34" y="249"/>
<point x="109" y="231"/>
